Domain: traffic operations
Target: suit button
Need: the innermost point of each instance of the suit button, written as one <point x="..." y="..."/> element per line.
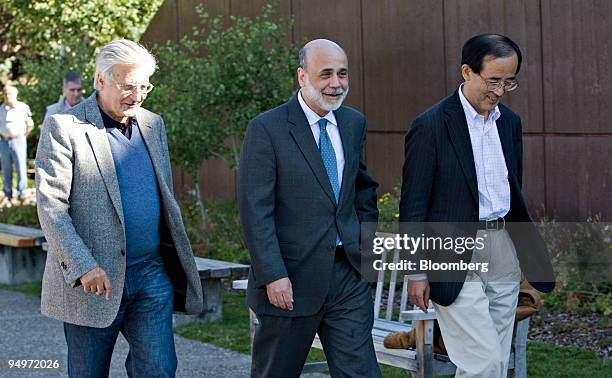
<point x="63" y="264"/>
<point x="122" y="252"/>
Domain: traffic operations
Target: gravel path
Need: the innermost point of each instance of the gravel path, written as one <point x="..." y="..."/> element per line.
<point x="26" y="334"/>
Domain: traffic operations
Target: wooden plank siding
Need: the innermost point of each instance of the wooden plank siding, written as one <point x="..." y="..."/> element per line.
<point x="404" y="56"/>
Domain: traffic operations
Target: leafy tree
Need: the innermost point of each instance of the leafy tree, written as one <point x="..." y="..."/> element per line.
<point x="42" y="39"/>
<point x="214" y="82"/>
<point x="48" y="27"/>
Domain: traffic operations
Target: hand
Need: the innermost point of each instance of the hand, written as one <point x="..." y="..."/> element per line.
<point x="96" y="281"/>
<point x="418" y="292"/>
<point x="280" y="293"/>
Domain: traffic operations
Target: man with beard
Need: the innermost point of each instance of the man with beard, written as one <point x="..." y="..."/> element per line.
<point x="303" y="192"/>
<point x="463" y="164"/>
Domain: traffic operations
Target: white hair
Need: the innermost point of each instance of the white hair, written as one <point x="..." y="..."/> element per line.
<point x="122" y="51"/>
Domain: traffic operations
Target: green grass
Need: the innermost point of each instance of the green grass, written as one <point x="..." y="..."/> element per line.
<point x="544" y="360"/>
<point x="232" y="333"/>
<point x="32" y="289"/>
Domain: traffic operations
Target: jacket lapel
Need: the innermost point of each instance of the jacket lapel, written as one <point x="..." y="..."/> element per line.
<point x="346" y="135"/>
<point x="301" y="133"/>
<point x="102" y="153"/>
<point x="145" y="125"/>
<point x="460" y="140"/>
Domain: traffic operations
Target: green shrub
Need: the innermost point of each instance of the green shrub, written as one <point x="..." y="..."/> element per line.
<point x="226" y="240"/>
<point x="20" y="216"/>
<point x="222" y="239"/>
<point x="581" y="255"/>
<point x="388" y="208"/>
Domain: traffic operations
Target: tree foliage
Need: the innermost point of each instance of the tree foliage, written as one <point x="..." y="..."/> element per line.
<point x="211" y="84"/>
<point x="214" y="82"/>
<point x="42" y="39"/>
<point x="49" y="27"/>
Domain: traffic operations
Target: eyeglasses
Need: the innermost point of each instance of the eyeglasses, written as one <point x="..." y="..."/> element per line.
<point x="129" y="88"/>
<point x="493" y="85"/>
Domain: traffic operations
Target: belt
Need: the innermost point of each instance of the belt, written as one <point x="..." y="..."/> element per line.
<point x="493" y="224"/>
<point x="340" y="253"/>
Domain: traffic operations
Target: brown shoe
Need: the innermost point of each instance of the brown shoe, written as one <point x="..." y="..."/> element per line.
<point x="407" y="340"/>
<point x="400" y="340"/>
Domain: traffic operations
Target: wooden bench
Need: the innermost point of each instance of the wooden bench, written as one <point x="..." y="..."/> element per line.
<point x="212" y="272"/>
<point x="22" y="259"/>
<point x="422" y="362"/>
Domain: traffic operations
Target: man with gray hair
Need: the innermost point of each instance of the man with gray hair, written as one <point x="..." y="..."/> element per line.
<point x="303" y="192"/>
<point x="72" y="93"/>
<point x="119" y="259"/>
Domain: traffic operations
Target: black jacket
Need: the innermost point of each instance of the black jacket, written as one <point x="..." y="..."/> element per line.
<point x="439" y="185"/>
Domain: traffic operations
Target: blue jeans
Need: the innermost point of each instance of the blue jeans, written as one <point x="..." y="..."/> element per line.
<point x="144" y="318"/>
<point x="14" y="152"/>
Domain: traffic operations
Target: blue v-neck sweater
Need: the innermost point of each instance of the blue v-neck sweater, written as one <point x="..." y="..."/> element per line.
<point x="139" y="195"/>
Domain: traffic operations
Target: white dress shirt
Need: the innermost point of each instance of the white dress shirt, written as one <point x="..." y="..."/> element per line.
<point x="332" y="130"/>
<point x="491" y="170"/>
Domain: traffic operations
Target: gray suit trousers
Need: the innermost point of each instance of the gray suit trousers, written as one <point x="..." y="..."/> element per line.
<point x="344" y="325"/>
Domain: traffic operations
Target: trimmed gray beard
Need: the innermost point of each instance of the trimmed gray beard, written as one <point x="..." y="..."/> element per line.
<point x="317" y="97"/>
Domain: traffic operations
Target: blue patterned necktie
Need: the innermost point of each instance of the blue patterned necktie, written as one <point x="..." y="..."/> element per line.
<point x="329" y="161"/>
<point x="329" y="157"/>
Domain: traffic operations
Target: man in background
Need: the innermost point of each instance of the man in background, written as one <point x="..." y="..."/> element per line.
<point x="15" y="124"/>
<point x="72" y="92"/>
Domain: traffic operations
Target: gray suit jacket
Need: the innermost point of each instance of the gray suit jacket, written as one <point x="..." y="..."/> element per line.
<point x="80" y="212"/>
<point x="288" y="209"/>
<point x="55" y="108"/>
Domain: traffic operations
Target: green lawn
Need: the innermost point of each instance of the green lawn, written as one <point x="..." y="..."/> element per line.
<point x="32" y="289"/>
<point x="544" y="360"/>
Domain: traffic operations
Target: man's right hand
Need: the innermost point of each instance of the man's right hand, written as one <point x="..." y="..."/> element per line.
<point x="280" y="293"/>
<point x="418" y="293"/>
<point x="96" y="281"/>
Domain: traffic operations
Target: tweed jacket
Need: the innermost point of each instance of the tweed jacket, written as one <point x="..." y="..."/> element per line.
<point x="80" y="212"/>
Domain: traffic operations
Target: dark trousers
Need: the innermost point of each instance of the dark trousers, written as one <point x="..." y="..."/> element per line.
<point x="344" y="325"/>
<point x="144" y="318"/>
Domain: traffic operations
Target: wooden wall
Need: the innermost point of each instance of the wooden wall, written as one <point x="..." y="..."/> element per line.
<point x="404" y="56"/>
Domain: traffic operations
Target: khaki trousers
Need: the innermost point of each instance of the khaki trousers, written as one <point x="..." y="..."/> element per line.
<point x="477" y="327"/>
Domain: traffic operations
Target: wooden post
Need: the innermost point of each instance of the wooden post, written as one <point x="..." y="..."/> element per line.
<point x="424" y="346"/>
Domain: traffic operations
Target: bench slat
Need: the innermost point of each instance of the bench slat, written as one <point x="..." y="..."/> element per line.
<point x="392" y="284"/>
<point x="19" y="236"/>
<point x="209" y="268"/>
<point x="21" y="231"/>
<point x="379" y="287"/>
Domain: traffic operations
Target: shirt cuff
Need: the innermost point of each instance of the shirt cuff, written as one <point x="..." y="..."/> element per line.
<point x="417" y="277"/>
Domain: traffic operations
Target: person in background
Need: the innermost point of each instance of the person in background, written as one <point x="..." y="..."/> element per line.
<point x="15" y="125"/>
<point x="72" y="93"/>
